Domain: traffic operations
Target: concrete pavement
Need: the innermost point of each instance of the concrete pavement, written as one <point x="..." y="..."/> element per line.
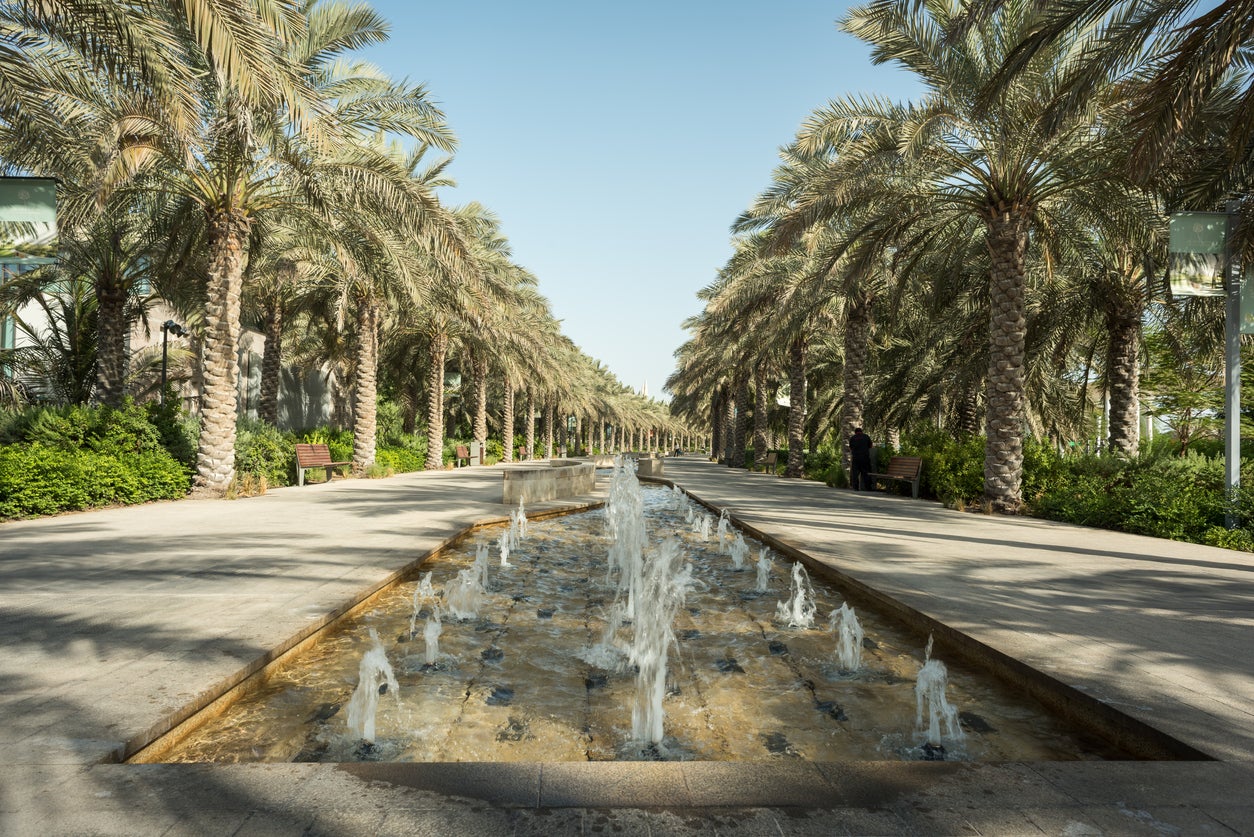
<point x="116" y="624"/>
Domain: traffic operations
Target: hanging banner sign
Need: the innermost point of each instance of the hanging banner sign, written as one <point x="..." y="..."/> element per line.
<point x="28" y="199"/>
<point x="1247" y="301"/>
<point x="1196" y="253"/>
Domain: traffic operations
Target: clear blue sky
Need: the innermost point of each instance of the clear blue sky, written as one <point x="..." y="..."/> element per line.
<point x="618" y="142"/>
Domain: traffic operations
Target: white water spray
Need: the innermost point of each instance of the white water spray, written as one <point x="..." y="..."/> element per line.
<point x="609" y="652"/>
<point x="765" y="562"/>
<point x="481" y="565"/>
<point x="463" y="596"/>
<point x="625" y="516"/>
<point x="432" y="635"/>
<point x="930" y="701"/>
<point x="739" y="552"/>
<point x="664" y="587"/>
<point x="844" y="623"/>
<point x="373" y="673"/>
<point x="424" y="591"/>
<point x="799" y="610"/>
<point x="518" y="523"/>
<point x="723" y="522"/>
<point x="505" y="545"/>
<point x="702" y="526"/>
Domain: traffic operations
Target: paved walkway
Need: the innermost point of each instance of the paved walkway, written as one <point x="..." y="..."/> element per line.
<point x="114" y="623"/>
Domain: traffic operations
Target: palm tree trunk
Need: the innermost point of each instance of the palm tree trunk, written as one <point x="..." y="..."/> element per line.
<point x="716" y="424"/>
<point x="507" y="423"/>
<point x="1123" y="327"/>
<point x="729" y="426"/>
<point x="857" y="345"/>
<point x="578" y="435"/>
<point x="366" y="398"/>
<point x="760" y="406"/>
<point x="271" y="364"/>
<point x="548" y="428"/>
<point x="1003" y="454"/>
<point x="742" y="420"/>
<point x="797" y="407"/>
<point x="479" y="369"/>
<point x="110" y="340"/>
<point x="227" y="242"/>
<point x="435" y="403"/>
<point x="531" y="423"/>
<point x="969" y="413"/>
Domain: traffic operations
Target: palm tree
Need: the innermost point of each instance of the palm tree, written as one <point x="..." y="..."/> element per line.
<point x="249" y="160"/>
<point x="1002" y="163"/>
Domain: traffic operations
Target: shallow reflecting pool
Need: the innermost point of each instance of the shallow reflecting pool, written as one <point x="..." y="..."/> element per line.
<point x="515" y="683"/>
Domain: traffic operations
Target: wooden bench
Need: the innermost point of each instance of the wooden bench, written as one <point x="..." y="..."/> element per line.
<point x="770" y="462"/>
<point x="903" y="469"/>
<point x="462" y="452"/>
<point x="315" y="456"/>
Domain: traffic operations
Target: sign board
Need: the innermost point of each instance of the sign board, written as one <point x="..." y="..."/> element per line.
<point x="28" y="199"/>
<point x="1196" y="248"/>
<point x="1247" y="301"/>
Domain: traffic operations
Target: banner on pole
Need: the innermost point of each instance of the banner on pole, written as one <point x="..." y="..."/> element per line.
<point x="1196" y="252"/>
<point x="28" y="199"/>
<point x="1247" y="301"/>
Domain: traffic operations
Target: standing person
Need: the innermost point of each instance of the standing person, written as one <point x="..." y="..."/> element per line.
<point x="860" y="460"/>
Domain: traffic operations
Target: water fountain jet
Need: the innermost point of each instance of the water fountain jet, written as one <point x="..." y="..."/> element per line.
<point x="765" y="562"/>
<point x="798" y="611"/>
<point x="844" y="623"/>
<point x="374" y="676"/>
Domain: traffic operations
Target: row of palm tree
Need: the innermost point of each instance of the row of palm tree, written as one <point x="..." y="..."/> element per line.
<point x="991" y="246"/>
<point x="239" y="162"/>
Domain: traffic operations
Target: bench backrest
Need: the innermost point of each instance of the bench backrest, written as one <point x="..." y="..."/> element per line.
<point x="311" y="456"/>
<point x="907" y="467"/>
<point x="772" y="458"/>
<point x="463" y="452"/>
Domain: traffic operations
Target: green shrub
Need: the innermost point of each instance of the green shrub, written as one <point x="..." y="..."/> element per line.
<point x="818" y="463"/>
<point x="401" y="459"/>
<point x="450" y="449"/>
<point x="836" y="477"/>
<point x="953" y="469"/>
<point x="339" y="442"/>
<point x="178" y="430"/>
<point x="1240" y="539"/>
<point x="36" y="479"/>
<point x="263" y="451"/>
<point x="124" y="430"/>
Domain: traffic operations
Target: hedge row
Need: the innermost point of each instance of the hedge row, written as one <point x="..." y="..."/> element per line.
<point x="1160" y="493"/>
<point x="36" y="479"/>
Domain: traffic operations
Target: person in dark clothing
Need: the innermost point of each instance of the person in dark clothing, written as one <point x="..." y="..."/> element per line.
<point x="860" y="460"/>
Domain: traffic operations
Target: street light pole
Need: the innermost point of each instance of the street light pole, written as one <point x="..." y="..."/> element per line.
<point x="167" y="327"/>
<point x="1232" y="369"/>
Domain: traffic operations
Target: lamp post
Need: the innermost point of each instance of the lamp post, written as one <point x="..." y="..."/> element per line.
<point x="166" y="328"/>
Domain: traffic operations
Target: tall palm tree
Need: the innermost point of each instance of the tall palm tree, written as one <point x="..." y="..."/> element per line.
<point x="251" y="160"/>
<point x="1001" y="162"/>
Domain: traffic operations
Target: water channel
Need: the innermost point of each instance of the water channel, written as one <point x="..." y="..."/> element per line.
<point x="551" y="665"/>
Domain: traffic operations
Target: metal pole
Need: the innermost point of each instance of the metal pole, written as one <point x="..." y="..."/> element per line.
<point x="1232" y="370"/>
<point x="165" y="343"/>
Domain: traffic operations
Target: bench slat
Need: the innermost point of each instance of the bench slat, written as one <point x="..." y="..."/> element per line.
<point x="313" y="456"/>
<point x="904" y="469"/>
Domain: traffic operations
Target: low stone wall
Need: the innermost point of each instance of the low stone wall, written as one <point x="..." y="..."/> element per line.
<point x="560" y="478"/>
<point x="649" y="466"/>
